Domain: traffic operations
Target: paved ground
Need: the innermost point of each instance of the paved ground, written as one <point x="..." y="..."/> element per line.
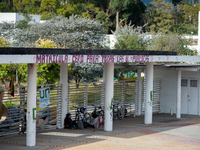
<point x="166" y="132"/>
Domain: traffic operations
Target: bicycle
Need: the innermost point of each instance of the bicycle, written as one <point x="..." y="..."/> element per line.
<point x="118" y="112"/>
<point x="95" y="110"/>
<point x="81" y="115"/>
<point x="125" y="111"/>
<point x="100" y="121"/>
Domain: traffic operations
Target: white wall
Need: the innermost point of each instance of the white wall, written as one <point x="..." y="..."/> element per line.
<point x="169" y="88"/>
<point x="7" y="17"/>
<point x="14" y="17"/>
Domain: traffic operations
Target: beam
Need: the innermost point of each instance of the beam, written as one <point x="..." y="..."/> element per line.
<point x="73" y="51"/>
<point x="57" y="58"/>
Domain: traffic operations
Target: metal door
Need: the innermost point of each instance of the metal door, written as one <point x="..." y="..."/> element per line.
<point x="184" y="96"/>
<point x="189" y="96"/>
<point x="193" y="97"/>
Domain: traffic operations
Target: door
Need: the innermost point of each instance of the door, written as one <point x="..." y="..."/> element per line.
<point x="184" y="96"/>
<point x="193" y="97"/>
<point x="189" y="96"/>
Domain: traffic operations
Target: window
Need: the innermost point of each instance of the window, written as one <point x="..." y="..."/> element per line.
<point x="184" y="82"/>
<point x="193" y="83"/>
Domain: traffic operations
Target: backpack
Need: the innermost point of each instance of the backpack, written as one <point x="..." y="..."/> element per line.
<point x="80" y="125"/>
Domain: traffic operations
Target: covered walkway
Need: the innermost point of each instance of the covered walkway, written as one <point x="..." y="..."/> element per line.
<point x="32" y="56"/>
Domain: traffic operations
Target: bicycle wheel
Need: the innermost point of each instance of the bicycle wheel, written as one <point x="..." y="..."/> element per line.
<point x="96" y="125"/>
<point x="125" y="112"/>
<point x="120" y="114"/>
<point x="101" y="121"/>
<point x="77" y="118"/>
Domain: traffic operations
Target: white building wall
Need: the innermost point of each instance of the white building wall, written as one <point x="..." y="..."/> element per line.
<point x="169" y="88"/>
<point x="14" y="17"/>
<point x="7" y="17"/>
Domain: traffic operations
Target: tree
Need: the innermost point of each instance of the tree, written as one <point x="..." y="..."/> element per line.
<point x="86" y="72"/>
<point x="172" y="42"/>
<point x="131" y="37"/>
<point x="4" y="43"/>
<point x="189" y="13"/>
<point x="47" y="73"/>
<point x="129" y="42"/>
<point x="72" y="32"/>
<point x="4" y="7"/>
<point x="159" y="17"/>
<point x="116" y="7"/>
<point x="27" y="6"/>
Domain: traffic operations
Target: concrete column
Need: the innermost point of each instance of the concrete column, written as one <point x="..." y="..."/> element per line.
<point x="140" y="91"/>
<point x="178" y="97"/>
<point x="31" y="105"/>
<point x="199" y="34"/>
<point x="149" y="93"/>
<point x="64" y="82"/>
<point x="109" y="87"/>
<point x="104" y="72"/>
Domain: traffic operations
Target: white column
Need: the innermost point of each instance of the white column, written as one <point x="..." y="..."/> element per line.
<point x="109" y="87"/>
<point x="199" y="34"/>
<point x="104" y="72"/>
<point x="140" y="91"/>
<point x="31" y="105"/>
<point x="149" y="93"/>
<point x="178" y="99"/>
<point x="64" y="82"/>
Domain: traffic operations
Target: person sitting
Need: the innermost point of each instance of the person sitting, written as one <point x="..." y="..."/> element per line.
<point x="93" y="121"/>
<point x="68" y="123"/>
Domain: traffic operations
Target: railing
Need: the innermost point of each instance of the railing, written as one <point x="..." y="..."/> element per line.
<point x="82" y="94"/>
<point x="46" y="117"/>
<point x="156" y="95"/>
<point x="86" y="94"/>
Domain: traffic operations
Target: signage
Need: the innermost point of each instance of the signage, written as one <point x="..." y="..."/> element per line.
<point x="44" y="97"/>
<point x="7" y="59"/>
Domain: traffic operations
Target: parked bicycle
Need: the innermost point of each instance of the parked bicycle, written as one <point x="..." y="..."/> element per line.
<point x="97" y="110"/>
<point x="81" y="116"/>
<point x="100" y="120"/>
<point x="118" y="112"/>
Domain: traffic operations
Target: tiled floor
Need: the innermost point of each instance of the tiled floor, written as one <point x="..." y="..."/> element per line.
<point x="166" y="132"/>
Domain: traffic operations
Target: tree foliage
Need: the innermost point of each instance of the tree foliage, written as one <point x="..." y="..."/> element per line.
<point x="4" y="43"/>
<point x="126" y="7"/>
<point x="129" y="42"/>
<point x="172" y="42"/>
<point x="72" y="32"/>
<point x="50" y="72"/>
<point x="130" y="37"/>
<point x="159" y="17"/>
